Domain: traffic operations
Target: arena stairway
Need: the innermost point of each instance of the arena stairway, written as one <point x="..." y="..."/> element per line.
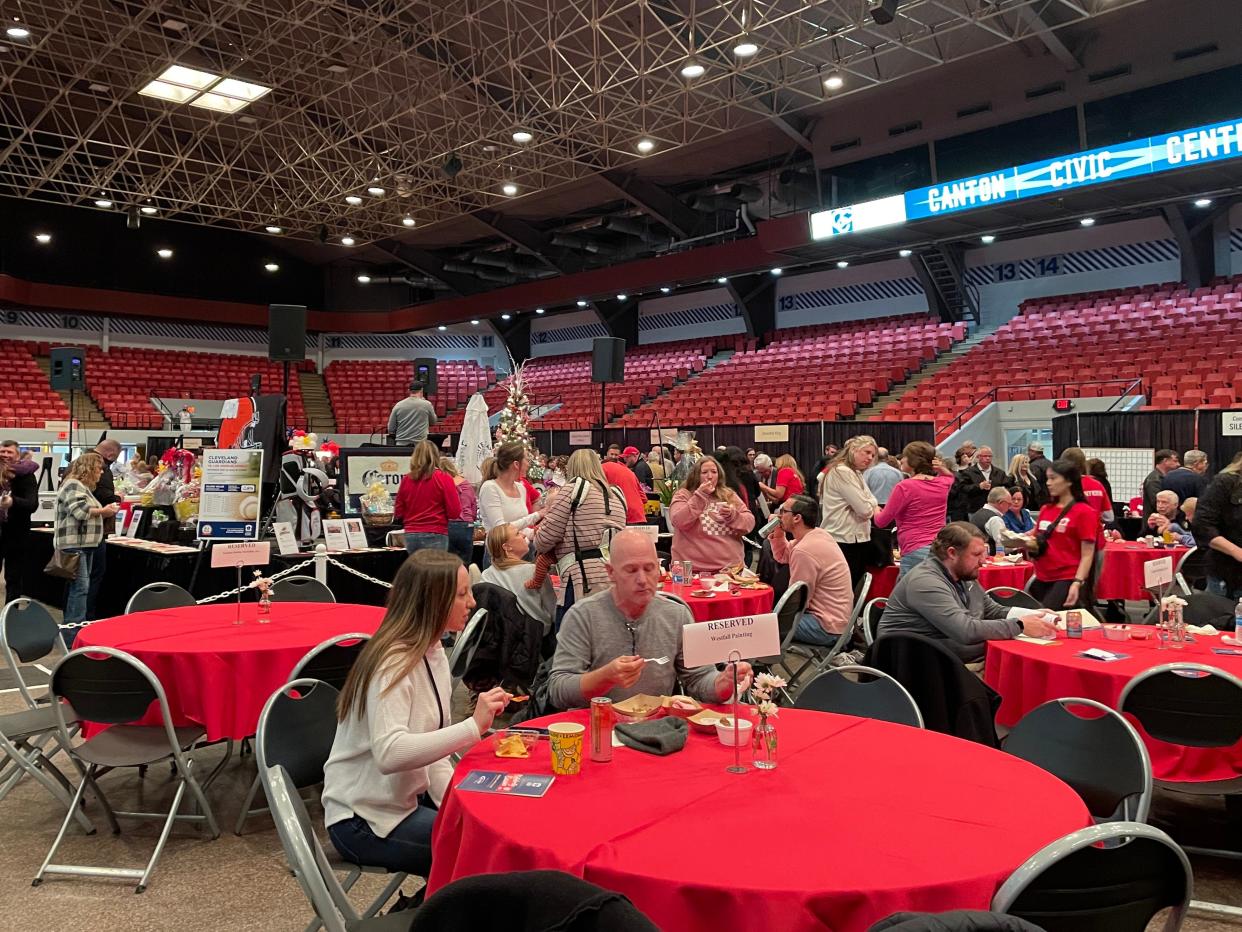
<point x="894" y="395"/>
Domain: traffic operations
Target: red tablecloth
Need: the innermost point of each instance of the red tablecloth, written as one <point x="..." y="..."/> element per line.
<point x="1121" y="574"/>
<point x="696" y="848"/>
<point x="218" y="674"/>
<point x="1002" y="573"/>
<point x="1027" y="675"/>
<point x="724" y="604"/>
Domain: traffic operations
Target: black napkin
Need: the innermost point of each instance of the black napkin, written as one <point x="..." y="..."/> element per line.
<point x="662" y="736"/>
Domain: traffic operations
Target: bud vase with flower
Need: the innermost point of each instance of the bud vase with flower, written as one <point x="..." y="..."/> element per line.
<point x="764" y="741"/>
<point x="264" y="585"/>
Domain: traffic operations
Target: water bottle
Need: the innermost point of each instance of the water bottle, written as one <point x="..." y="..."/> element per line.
<point x="1237" y="618"/>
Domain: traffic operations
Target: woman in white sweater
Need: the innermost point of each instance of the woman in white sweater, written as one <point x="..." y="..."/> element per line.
<point x="848" y="505"/>
<point x="502" y="499"/>
<point x="389" y="766"/>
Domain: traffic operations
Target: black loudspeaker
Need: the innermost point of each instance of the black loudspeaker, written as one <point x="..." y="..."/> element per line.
<point x="286" y="332"/>
<point x="425" y="372"/>
<point x="68" y="369"/>
<point x="608" y="359"/>
<point x="882" y="11"/>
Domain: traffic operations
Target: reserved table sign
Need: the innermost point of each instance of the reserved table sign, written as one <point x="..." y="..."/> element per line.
<point x="711" y="642"/>
<point x="241" y="553"/>
<point x="1158" y="573"/>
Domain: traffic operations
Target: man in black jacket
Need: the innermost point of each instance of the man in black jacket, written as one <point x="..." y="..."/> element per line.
<point x="1039" y="471"/>
<point x="23" y="501"/>
<point x="975" y="482"/>
<point x="1165" y="463"/>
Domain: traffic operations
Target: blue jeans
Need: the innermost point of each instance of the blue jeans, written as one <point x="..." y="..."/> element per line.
<point x="99" y="565"/>
<point x="78" y="592"/>
<point x="809" y="631"/>
<point x="407" y="847"/>
<point x="912" y="559"/>
<point x="461" y="540"/>
<point x="1220" y="587"/>
<point x="419" y="541"/>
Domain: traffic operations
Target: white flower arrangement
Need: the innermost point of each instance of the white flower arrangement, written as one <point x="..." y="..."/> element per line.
<point x="763" y="692"/>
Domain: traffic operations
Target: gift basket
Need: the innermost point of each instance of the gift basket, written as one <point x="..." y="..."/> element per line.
<point x="377" y="506"/>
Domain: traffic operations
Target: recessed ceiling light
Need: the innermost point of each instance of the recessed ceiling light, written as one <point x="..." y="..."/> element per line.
<point x="407" y="220"/>
<point x="43" y="237"/>
<point x="522" y="136"/>
<point x="776" y="271"/>
<point x="722" y="280"/>
<point x="905" y="253"/>
<point x="475" y="322"/>
<point x="510" y="189"/>
<point x="987" y="239"/>
<point x="347" y="241"/>
<point x="103" y="202"/>
<point x="98" y="88"/>
<point x="693" y="68"/>
<point x="442" y="328"/>
<point x="745" y="48"/>
<point x="149" y="210"/>
<point x="1087" y="222"/>
<point x="164" y="253"/>
<point x="489" y="148"/>
<point x="173" y="25"/>
<point x="17" y="32"/>
<point x="203" y="89"/>
<point x="273" y="229"/>
<point x="622" y="297"/>
<point x="506" y="316"/>
<point x="665" y="289"/>
<point x="364" y="279"/>
<point x="645" y="145"/>
<point x="581" y="303"/>
<point x="218" y="103"/>
<point x="240" y="90"/>
<point x="842" y="264"/>
<point x="189" y="77"/>
<point x="1203" y="202"/>
<point x="272" y="267"/>
<point x="247" y="119"/>
<point x="353" y="200"/>
<point x="165" y="91"/>
<point x="834" y="81"/>
<point x="375" y="191"/>
<point x="538" y="310"/>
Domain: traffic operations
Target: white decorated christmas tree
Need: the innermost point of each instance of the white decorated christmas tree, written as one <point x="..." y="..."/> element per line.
<point x="514" y="423"/>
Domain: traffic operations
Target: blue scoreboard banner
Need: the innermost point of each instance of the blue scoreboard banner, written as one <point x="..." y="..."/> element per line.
<point x="1153" y="155"/>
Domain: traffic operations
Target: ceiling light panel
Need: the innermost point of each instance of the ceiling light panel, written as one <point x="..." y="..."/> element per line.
<point x="240" y="90"/>
<point x="165" y="91"/>
<point x="189" y="77"/>
<point x="218" y="102"/>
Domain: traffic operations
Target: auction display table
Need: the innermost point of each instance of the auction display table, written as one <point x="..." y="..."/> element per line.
<point x="697" y="848"/>
<point x="723" y="604"/>
<point x="1028" y="674"/>
<point x="217" y="673"/>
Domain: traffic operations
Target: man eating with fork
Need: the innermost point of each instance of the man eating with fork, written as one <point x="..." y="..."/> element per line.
<point x="624" y="641"/>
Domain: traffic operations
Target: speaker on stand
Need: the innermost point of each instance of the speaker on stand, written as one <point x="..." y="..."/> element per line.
<point x="286" y="335"/>
<point x="69" y="375"/>
<point x="607" y="365"/>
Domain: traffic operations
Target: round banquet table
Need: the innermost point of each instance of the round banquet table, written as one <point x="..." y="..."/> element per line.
<point x="1121" y="573"/>
<point x="695" y="847"/>
<point x="723" y="604"/>
<point x="992" y="574"/>
<point x="1027" y="675"/>
<point x="218" y="674"/>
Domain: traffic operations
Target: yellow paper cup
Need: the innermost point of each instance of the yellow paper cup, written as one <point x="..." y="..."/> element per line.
<point x="566" y="739"/>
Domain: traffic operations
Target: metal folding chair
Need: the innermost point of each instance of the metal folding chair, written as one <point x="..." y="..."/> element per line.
<point x="1013" y="598"/>
<point x="330" y="662"/>
<point x="1114" y="876"/>
<point x="1191" y="571"/>
<point x="819" y="658"/>
<point x="158" y="595"/>
<point x="672" y="597"/>
<point x="871" y="615"/>
<point x="879" y="696"/>
<point x="788" y="610"/>
<point x="111" y="687"/>
<point x="301" y="589"/>
<point x="1101" y="757"/>
<point x="296" y="730"/>
<point x="466" y="644"/>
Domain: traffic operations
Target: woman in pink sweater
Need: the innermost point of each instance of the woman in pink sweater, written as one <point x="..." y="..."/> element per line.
<point x="918" y="504"/>
<point x="708" y="519"/>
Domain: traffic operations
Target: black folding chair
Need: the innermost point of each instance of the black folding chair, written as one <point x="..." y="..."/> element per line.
<point x="872" y="612"/>
<point x="158" y="595"/>
<point x="1113" y="877"/>
<point x="1102" y="757"/>
<point x="301" y="589"/>
<point x="1013" y="598"/>
<point x="873" y="695"/>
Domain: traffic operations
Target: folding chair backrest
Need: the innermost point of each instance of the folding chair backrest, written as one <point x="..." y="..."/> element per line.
<point x="672" y="597"/>
<point x="158" y="595"/>
<point x="296" y="730"/>
<point x="1101" y="756"/>
<point x="1190" y="704"/>
<point x="1192" y="568"/>
<point x="301" y="589"/>
<point x="877" y="696"/>
<point x="789" y="609"/>
<point x="331" y="660"/>
<point x="1073" y="886"/>
<point x="28" y="634"/>
<point x="105" y="688"/>
<point x="466" y="644"/>
<point x="870" y="620"/>
<point x="305" y="855"/>
<point x="860" y="598"/>
<point x="1013" y="598"/>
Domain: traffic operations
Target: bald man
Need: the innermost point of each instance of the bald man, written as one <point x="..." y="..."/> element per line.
<point x="607" y="639"/>
<point x="105" y="493"/>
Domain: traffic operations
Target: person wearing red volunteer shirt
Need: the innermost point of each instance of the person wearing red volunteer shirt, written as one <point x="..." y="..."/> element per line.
<point x="1092" y="488"/>
<point x="427" y="501"/>
<point x="1069" y="526"/>
<point x="623" y="478"/>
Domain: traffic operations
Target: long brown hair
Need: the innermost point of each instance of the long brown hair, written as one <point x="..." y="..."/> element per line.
<point x="422" y="596"/>
<point x="424" y="460"/>
<point x="694" y="478"/>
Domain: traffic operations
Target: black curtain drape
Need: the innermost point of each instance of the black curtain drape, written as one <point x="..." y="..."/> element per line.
<point x="1220" y="449"/>
<point x="1174" y="430"/>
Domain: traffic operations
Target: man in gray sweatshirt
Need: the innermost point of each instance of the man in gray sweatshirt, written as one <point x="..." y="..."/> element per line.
<point x="605" y="637"/>
<point x="941" y="598"/>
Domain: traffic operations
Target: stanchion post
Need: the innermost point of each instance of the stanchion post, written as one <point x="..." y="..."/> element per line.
<point x="735" y="657"/>
<point x="321" y="563"/>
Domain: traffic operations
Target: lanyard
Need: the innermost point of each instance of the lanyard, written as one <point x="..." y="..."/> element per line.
<point x="435" y="689"/>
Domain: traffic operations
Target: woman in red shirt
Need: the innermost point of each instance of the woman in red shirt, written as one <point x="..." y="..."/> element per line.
<point x="1069" y="525"/>
<point x="788" y="481"/>
<point x="427" y="501"/>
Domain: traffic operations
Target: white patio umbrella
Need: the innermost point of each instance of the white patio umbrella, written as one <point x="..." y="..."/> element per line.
<point x="474" y="444"/>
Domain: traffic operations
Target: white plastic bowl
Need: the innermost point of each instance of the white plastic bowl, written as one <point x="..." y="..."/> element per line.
<point x="725" y="732"/>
